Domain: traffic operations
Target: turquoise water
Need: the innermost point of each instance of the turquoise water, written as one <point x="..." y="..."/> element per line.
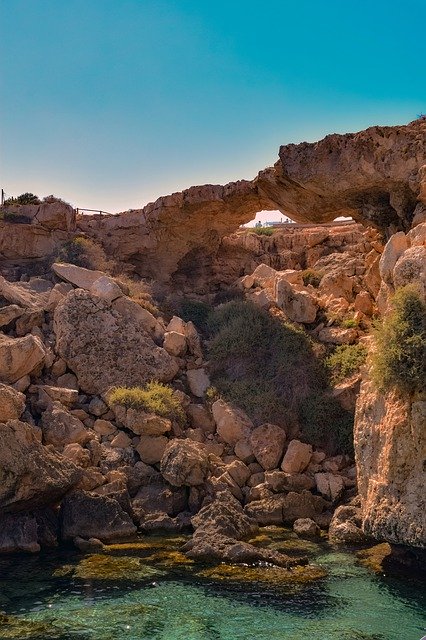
<point x="54" y="596"/>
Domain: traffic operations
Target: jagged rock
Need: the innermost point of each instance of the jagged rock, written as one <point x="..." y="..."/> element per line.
<point x="338" y="335"/>
<point x="279" y="481"/>
<point x="131" y="311"/>
<point x="31" y="475"/>
<point x="232" y="424"/>
<point x="198" y="382"/>
<point x="151" y="448"/>
<point x="297" y="457"/>
<point x="299" y="306"/>
<point x="9" y="314"/>
<point x="267" y="443"/>
<point x="243" y="450"/>
<point x="18" y="533"/>
<point x="280" y="509"/>
<point x="394" y="248"/>
<point x="345" y="526"/>
<point x="20" y="356"/>
<point x="175" y="343"/>
<point x="364" y="303"/>
<point x="103" y="348"/>
<point x="158" y="498"/>
<point x="78" y="276"/>
<point x="264" y="276"/>
<point x="239" y="472"/>
<point x="63" y="395"/>
<point x="60" y="427"/>
<point x="106" y="288"/>
<point x="200" y="418"/>
<point x="389" y="440"/>
<point x="104" y="427"/>
<point x="306" y="528"/>
<point x="121" y="440"/>
<point x="184" y="463"/>
<point x="86" y="515"/>
<point x="97" y="407"/>
<point x="330" y="486"/>
<point x="411" y="268"/>
<point x="143" y="423"/>
<point x="79" y="456"/>
<point x="12" y="403"/>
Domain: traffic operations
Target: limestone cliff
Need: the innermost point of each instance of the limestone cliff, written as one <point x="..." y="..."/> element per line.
<point x="390" y="429"/>
<point x="375" y="176"/>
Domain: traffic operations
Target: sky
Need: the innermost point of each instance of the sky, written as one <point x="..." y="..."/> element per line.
<point x="110" y="104"/>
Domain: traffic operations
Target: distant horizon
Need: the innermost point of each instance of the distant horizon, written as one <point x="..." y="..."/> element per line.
<point x="111" y="104"/>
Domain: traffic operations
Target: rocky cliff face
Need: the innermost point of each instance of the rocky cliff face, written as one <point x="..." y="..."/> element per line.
<point x="390" y="429"/>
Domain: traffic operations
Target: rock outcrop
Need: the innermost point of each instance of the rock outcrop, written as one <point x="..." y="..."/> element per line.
<point x="31" y="475"/>
<point x="106" y="348"/>
<point x="374" y="176"/>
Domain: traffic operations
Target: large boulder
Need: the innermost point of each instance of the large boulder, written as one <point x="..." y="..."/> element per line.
<point x="184" y="463"/>
<point x="299" y="306"/>
<point x="267" y="443"/>
<point x="78" y="276"/>
<point x="12" y="403"/>
<point x="232" y="424"/>
<point x="31" y="475"/>
<point x="106" y="349"/>
<point x="219" y="528"/>
<point x="87" y="515"/>
<point x="61" y="428"/>
<point x="19" y="356"/>
<point x="18" y="532"/>
<point x="285" y="509"/>
<point x="297" y="457"/>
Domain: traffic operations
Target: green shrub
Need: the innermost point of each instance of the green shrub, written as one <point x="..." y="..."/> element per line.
<point x="16" y="218"/>
<point x="345" y="360"/>
<point x="84" y="252"/>
<point x="399" y="361"/>
<point x="349" y="323"/>
<point x="24" y="198"/>
<point x="139" y="292"/>
<point x="195" y="311"/>
<point x="155" y="398"/>
<point x="325" y="423"/>
<point x="268" y="368"/>
<point x="263" y="231"/>
<point x="310" y="276"/>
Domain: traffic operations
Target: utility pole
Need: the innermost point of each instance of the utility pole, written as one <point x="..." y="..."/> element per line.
<point x="2" y="197"/>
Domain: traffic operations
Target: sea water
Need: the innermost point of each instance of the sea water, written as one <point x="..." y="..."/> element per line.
<point x="54" y="595"/>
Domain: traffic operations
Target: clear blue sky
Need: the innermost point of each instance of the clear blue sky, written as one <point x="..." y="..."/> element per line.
<point x="112" y="103"/>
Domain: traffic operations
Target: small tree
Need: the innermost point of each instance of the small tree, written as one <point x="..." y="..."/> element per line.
<point x="24" y="198"/>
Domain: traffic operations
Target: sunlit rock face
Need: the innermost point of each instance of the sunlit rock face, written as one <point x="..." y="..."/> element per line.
<point x="375" y="176"/>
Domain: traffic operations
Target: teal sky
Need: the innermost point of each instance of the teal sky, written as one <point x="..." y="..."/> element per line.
<point x="112" y="103"/>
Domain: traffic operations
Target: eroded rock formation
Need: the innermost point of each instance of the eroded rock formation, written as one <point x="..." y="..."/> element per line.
<point x="374" y="176"/>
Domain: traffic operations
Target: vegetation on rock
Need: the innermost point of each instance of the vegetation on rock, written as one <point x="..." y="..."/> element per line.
<point x="84" y="252"/>
<point x="345" y="360"/>
<point x="310" y="276"/>
<point x="269" y="368"/>
<point x="155" y="398"/>
<point x="399" y="361"/>
<point x="24" y="198"/>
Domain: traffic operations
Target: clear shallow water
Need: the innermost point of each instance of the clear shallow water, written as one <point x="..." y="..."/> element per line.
<point x="46" y="599"/>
